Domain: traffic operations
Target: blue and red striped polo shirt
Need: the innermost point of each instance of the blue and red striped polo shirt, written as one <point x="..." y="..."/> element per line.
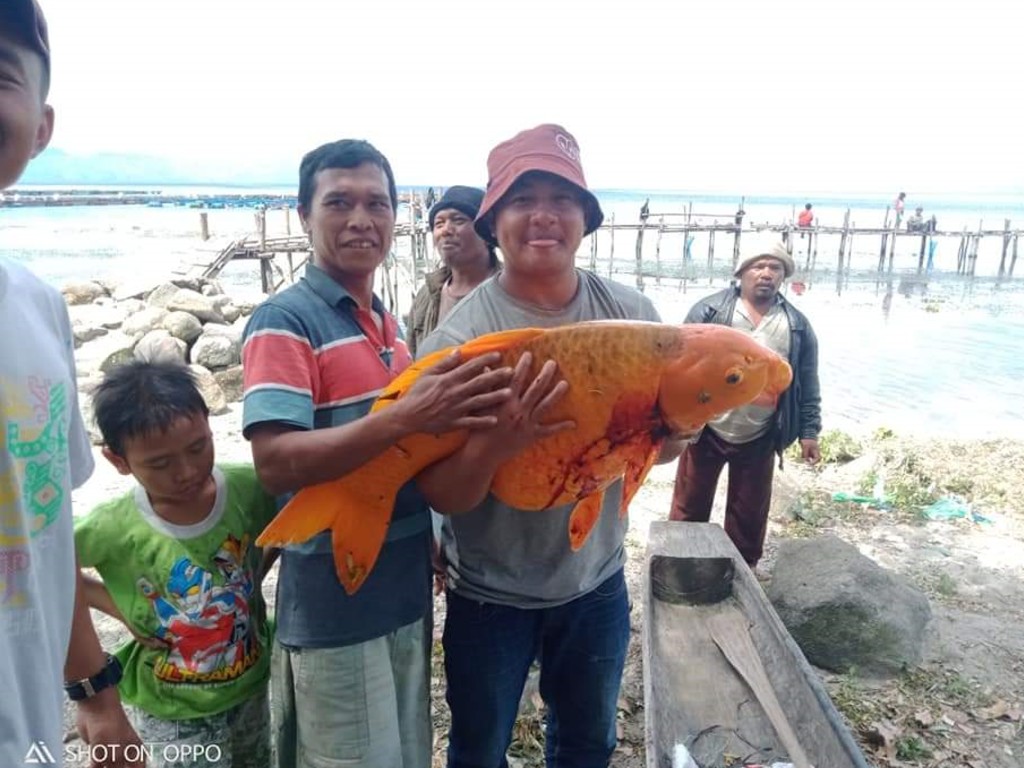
<point x="313" y="360"/>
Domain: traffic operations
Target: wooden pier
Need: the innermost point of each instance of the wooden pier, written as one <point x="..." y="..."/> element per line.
<point x="665" y="250"/>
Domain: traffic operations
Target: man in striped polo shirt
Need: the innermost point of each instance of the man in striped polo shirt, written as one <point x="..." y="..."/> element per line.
<point x="350" y="676"/>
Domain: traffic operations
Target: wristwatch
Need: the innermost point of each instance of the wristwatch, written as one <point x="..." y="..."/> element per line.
<point x="90" y="686"/>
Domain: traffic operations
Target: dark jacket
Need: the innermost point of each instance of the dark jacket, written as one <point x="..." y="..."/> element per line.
<point x="426" y="307"/>
<point x="799" y="411"/>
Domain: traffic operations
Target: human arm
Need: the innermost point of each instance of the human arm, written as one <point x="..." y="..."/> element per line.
<point x="810" y="398"/>
<point x="675" y="444"/>
<point x="460" y="482"/>
<point x="98" y="597"/>
<point x="100" y="719"/>
<point x="446" y="396"/>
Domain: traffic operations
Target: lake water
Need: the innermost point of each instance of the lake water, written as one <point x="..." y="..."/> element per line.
<point x="947" y="359"/>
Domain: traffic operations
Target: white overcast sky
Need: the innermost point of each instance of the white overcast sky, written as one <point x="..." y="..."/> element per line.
<point x="700" y="95"/>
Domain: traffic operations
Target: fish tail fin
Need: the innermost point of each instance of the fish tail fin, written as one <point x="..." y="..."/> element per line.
<point x="306" y="514"/>
<point x="357" y="508"/>
<point x="583" y="519"/>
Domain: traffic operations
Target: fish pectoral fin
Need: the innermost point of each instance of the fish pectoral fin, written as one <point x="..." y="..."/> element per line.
<point x="636" y="473"/>
<point x="309" y="512"/>
<point x="583" y="519"/>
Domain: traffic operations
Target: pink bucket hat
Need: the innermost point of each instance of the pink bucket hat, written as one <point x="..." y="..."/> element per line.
<point x="547" y="148"/>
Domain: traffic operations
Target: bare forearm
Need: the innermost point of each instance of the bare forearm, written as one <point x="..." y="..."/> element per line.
<point x="98" y="596"/>
<point x="85" y="654"/>
<point x="460" y="482"/>
<point x="288" y="460"/>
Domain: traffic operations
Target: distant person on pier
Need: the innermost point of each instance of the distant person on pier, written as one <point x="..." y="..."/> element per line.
<point x="645" y="209"/>
<point x="806" y="217"/>
<point x="350" y="674"/>
<point x="466" y="261"/>
<point x="48" y="645"/>
<point x="749" y="438"/>
<point x="898" y="206"/>
<point x="916" y="222"/>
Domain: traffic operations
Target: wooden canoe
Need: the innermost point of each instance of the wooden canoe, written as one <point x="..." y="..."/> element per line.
<point x="724" y="682"/>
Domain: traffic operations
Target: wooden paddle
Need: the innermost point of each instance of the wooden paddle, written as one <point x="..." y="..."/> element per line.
<point x="730" y="631"/>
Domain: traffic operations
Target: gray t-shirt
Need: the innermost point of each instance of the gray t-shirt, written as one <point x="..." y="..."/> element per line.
<point x="499" y="554"/>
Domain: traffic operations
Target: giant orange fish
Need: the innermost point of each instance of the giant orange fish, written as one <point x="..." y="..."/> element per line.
<point x="631" y="384"/>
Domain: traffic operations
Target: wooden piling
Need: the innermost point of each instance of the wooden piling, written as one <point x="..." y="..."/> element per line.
<point x="736" y="237"/>
<point x="657" y="251"/>
<point x="204" y="225"/>
<point x="920" y="256"/>
<point x="974" y="250"/>
<point x="885" y="242"/>
<point x="1006" y="248"/>
<point x="1013" y="259"/>
<point x="640" y="257"/>
<point x="711" y="256"/>
<point x="593" y="251"/>
<point x="842" y="251"/>
<point x="892" y="244"/>
<point x="611" y="246"/>
<point x="961" y="254"/>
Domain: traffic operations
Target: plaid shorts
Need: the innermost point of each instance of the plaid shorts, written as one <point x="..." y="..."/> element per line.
<point x="237" y="738"/>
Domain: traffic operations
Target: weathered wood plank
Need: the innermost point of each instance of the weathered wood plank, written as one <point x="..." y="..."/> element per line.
<point x="693" y="695"/>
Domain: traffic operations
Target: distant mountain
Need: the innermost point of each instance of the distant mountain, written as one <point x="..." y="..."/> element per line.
<point x="56" y="166"/>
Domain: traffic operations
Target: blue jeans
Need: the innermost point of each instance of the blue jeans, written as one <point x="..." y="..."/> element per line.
<point x="581" y="646"/>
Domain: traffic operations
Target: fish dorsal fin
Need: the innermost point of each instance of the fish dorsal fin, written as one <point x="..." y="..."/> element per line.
<point x="499" y="341"/>
<point x="490" y="342"/>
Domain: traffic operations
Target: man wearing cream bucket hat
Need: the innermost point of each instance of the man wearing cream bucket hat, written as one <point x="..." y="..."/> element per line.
<point x="748" y="438"/>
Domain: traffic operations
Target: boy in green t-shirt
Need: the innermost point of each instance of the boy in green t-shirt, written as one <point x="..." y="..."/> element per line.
<point x="180" y="570"/>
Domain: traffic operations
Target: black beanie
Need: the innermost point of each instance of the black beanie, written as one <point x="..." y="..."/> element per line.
<point x="464" y="199"/>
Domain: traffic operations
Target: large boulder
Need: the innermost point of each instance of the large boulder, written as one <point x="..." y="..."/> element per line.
<point x="210" y="390"/>
<point x="85" y="333"/>
<point x="142" y="322"/>
<point x="184" y="326"/>
<point x="98" y="315"/>
<point x="158" y="346"/>
<point x="82" y="292"/>
<point x="193" y="302"/>
<point x="230" y="380"/>
<point x="116" y="359"/>
<point x="161" y="295"/>
<point x="844" y="610"/>
<point x="216" y="350"/>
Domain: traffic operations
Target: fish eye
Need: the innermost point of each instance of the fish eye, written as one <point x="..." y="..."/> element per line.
<point x="733" y="377"/>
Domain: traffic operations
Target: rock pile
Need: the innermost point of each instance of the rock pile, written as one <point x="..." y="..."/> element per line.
<point x="191" y="321"/>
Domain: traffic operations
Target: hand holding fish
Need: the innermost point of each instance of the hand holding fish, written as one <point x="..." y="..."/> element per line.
<point x="520" y="418"/>
<point x="453" y="394"/>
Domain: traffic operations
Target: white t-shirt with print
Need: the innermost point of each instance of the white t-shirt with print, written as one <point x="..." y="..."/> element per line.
<point x="44" y="453"/>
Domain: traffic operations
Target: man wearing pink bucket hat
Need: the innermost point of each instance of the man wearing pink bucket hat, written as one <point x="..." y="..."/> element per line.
<point x="515" y="591"/>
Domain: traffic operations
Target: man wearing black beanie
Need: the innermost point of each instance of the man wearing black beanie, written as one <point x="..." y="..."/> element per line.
<point x="466" y="261"/>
